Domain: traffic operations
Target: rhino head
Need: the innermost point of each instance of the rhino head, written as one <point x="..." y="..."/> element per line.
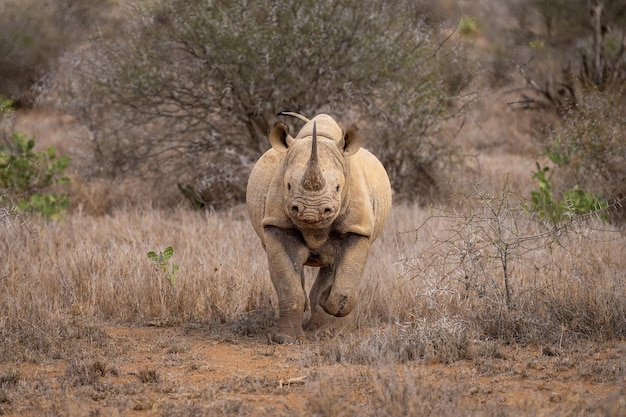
<point x="315" y="170"/>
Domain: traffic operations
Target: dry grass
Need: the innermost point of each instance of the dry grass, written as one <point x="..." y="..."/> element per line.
<point x="434" y="278"/>
<point x="60" y="280"/>
<point x="403" y="392"/>
<point x="434" y="294"/>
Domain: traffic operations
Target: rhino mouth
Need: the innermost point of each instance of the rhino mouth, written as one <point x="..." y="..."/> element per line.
<point x="311" y="223"/>
<point x="312" y="216"/>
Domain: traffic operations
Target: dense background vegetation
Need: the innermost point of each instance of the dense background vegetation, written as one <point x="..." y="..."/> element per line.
<point x="183" y="93"/>
<point x="192" y="88"/>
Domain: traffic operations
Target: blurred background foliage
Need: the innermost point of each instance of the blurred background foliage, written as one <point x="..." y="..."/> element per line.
<point x="192" y="87"/>
<point x="182" y="93"/>
<point x="33" y="34"/>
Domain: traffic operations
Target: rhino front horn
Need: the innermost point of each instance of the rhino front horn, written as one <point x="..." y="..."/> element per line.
<point x="313" y="179"/>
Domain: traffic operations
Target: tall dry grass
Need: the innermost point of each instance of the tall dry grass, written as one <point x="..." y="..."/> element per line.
<point x="434" y="284"/>
<point x="95" y="269"/>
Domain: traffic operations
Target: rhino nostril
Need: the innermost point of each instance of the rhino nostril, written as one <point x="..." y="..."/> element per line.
<point x="294" y="208"/>
<point x="327" y="211"/>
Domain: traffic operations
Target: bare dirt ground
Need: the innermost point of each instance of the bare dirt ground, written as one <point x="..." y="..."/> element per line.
<point x="185" y="371"/>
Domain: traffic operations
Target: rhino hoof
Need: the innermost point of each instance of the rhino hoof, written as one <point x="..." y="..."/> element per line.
<point x="339" y="308"/>
<point x="284" y="339"/>
<point x="318" y="318"/>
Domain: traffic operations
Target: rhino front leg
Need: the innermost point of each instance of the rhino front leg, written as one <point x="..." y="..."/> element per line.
<point x="340" y="298"/>
<point x="286" y="255"/>
<point x="321" y="285"/>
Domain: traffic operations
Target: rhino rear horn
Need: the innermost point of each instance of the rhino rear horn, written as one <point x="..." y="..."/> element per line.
<point x="293" y="114"/>
<point x="313" y="180"/>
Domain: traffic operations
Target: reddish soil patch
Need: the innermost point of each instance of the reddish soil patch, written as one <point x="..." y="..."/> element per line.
<point x="180" y="371"/>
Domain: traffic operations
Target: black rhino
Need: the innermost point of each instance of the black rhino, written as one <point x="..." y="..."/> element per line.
<point x="320" y="200"/>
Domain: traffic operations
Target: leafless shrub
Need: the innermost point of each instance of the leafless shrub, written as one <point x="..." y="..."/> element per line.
<point x="498" y="269"/>
<point x="198" y="123"/>
<point x="149" y="376"/>
<point x="430" y="341"/>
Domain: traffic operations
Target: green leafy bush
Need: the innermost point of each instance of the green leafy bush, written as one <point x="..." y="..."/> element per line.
<point x="28" y="177"/>
<point x="6" y="105"/>
<point x="469" y="26"/>
<point x="575" y="202"/>
<point x="588" y="146"/>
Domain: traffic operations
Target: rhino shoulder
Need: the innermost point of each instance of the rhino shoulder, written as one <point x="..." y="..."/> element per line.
<point x="369" y="197"/>
<point x="263" y="190"/>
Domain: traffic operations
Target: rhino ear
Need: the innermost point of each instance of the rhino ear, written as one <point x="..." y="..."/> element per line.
<point x="352" y="140"/>
<point x="280" y="139"/>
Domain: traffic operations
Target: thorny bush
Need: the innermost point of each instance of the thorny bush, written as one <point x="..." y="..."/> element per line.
<point x="189" y="90"/>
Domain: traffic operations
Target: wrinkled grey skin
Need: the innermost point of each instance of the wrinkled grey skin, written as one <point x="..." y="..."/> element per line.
<point x="320" y="200"/>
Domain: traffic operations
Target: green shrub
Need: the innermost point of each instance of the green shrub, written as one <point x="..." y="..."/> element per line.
<point x="575" y="202"/>
<point x="469" y="26"/>
<point x="577" y="70"/>
<point x="588" y="146"/>
<point x="27" y="178"/>
<point x="6" y="105"/>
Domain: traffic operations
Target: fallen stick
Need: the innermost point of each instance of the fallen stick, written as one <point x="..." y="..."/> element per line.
<point x="291" y="381"/>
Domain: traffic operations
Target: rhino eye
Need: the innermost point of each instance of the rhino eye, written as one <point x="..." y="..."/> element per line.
<point x="338" y="187"/>
<point x="288" y="186"/>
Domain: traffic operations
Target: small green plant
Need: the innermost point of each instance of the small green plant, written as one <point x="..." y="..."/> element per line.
<point x="575" y="201"/>
<point x="26" y="178"/>
<point x="468" y="26"/>
<point x="6" y="105"/>
<point x="162" y="261"/>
